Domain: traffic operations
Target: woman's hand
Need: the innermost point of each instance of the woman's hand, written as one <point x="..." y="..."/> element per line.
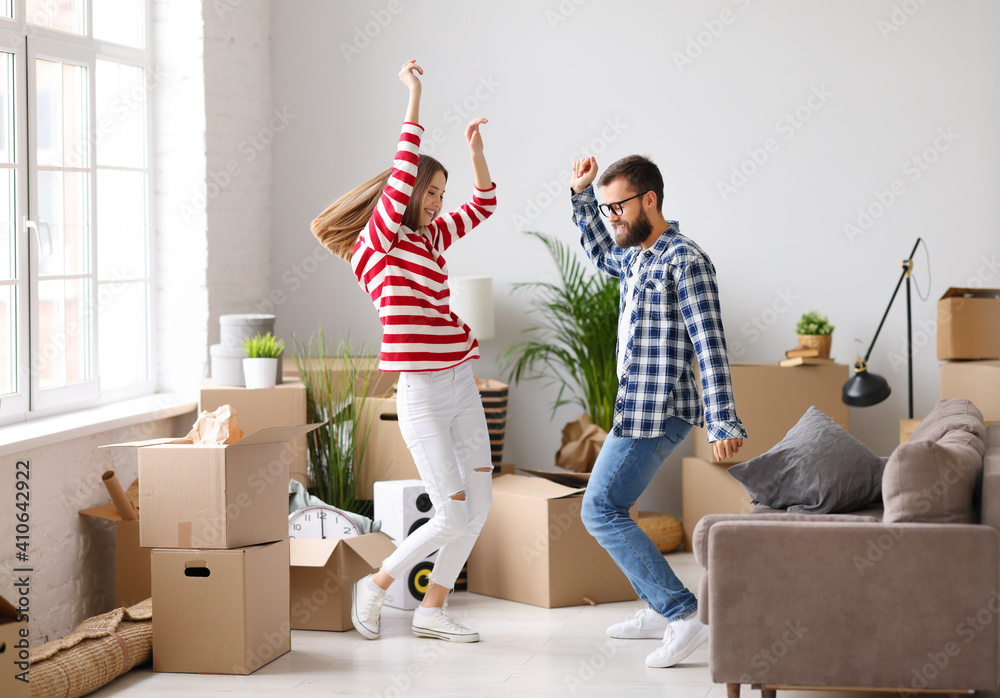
<point x="480" y="171"/>
<point x="473" y="137"/>
<point x="409" y="74"/>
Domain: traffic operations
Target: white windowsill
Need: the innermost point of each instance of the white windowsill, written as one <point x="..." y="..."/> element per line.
<point x="25" y="436"/>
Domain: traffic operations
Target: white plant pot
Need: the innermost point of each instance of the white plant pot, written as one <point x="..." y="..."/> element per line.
<point x="260" y="373"/>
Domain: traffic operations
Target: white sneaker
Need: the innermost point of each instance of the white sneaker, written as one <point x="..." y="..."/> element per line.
<point x="681" y="638"/>
<point x="441" y="626"/>
<point x="646" y="624"/>
<point x="366" y="608"/>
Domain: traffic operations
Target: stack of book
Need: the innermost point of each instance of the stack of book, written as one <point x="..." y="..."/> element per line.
<point x="802" y="356"/>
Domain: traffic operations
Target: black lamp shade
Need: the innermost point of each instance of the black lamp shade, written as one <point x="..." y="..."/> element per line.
<point x="865" y="389"/>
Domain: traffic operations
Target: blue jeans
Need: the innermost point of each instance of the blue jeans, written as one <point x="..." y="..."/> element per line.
<point x="623" y="470"/>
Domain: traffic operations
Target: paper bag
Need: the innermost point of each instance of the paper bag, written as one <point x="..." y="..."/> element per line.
<point x="216" y="428"/>
<point x="581" y="442"/>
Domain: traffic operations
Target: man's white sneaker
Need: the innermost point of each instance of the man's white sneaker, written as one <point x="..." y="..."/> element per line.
<point x="366" y="608"/>
<point x="646" y="624"/>
<point x="441" y="626"/>
<point x="680" y="639"/>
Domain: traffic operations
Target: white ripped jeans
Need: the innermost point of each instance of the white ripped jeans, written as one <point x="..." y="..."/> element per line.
<point x="442" y="421"/>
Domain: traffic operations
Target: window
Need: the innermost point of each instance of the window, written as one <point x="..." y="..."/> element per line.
<point x="74" y="204"/>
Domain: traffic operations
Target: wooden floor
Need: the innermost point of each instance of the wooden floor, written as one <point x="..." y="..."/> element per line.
<point x="525" y="652"/>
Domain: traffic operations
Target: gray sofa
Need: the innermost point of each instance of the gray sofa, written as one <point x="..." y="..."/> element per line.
<point x="880" y="599"/>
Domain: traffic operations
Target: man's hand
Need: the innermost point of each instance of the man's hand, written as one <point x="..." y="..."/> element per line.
<point x="584" y="173"/>
<point x="726" y="448"/>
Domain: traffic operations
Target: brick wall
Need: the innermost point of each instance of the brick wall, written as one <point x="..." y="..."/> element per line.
<point x="214" y="126"/>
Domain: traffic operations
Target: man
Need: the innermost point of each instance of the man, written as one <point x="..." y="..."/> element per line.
<point x="669" y="313"/>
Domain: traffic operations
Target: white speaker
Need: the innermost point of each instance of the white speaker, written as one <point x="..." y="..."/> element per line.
<point x="403" y="506"/>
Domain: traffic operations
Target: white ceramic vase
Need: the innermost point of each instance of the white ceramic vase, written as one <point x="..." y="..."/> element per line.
<point x="260" y="373"/>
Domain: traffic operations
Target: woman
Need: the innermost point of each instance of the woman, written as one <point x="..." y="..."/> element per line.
<point x="391" y="230"/>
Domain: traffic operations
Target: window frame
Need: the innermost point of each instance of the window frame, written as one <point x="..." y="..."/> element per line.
<point x="30" y="402"/>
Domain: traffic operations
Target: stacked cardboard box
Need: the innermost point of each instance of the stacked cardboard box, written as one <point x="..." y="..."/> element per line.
<point x="968" y="321"/>
<point x="770" y="399"/>
<point x="266" y="407"/>
<point x="216" y="517"/>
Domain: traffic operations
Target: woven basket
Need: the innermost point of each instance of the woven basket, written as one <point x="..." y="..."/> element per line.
<point x="664" y="530"/>
<point x="101" y="649"/>
<point x="494" y="395"/>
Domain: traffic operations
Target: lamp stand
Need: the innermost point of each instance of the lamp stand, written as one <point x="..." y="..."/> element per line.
<point x="864" y="388"/>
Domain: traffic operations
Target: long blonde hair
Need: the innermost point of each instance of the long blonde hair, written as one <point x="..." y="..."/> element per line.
<point x="338" y="227"/>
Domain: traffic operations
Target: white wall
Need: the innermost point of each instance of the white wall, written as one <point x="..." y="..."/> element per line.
<point x="874" y="84"/>
<point x="213" y="135"/>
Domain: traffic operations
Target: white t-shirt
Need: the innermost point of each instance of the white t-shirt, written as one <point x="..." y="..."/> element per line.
<point x="625" y="320"/>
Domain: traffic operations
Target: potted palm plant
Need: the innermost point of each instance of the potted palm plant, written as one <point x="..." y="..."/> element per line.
<point x="334" y="378"/>
<point x="260" y="363"/>
<point x="815" y="332"/>
<point x="572" y="346"/>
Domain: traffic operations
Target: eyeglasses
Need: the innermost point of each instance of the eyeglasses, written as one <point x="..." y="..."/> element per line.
<point x="616" y="206"/>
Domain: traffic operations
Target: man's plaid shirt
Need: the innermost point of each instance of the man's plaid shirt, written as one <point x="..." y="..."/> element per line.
<point x="677" y="315"/>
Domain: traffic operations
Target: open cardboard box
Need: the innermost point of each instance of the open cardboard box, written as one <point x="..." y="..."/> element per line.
<point x="968" y="324"/>
<point x="216" y="496"/>
<point x="14" y="640"/>
<point x="770" y="400"/>
<point x="322" y="574"/>
<point x="266" y="407"/>
<point x="220" y="611"/>
<point x="131" y="560"/>
<point x="535" y="549"/>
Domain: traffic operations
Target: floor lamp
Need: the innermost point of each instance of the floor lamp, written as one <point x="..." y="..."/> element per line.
<point x="472" y="301"/>
<point x="864" y="389"/>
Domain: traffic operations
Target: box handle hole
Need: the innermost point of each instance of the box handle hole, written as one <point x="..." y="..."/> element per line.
<point x="196" y="572"/>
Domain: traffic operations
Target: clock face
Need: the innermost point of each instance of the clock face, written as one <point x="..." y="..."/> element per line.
<point x="321" y="522"/>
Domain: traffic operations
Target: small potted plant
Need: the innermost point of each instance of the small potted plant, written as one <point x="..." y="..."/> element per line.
<point x="815" y="332"/>
<point x="260" y="365"/>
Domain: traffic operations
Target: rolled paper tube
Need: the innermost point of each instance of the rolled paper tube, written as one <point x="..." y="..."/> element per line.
<point x="124" y="507"/>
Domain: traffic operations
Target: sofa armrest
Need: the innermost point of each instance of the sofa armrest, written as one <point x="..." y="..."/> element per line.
<point x="699" y="537"/>
<point x="832" y="603"/>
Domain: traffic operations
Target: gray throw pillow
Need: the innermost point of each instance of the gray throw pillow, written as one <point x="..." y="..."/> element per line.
<point x="818" y="468"/>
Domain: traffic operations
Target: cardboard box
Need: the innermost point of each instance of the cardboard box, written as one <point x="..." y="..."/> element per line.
<point x="770" y="399"/>
<point x="906" y="429"/>
<point x="978" y="381"/>
<point x="215" y="497"/>
<point x="12" y="633"/>
<point x="132" y="572"/>
<point x="386" y="455"/>
<point x="708" y="488"/>
<point x="968" y="324"/>
<point x="322" y="574"/>
<point x="131" y="560"/>
<point x="279" y="406"/>
<point x="220" y="611"/>
<point x="534" y="549"/>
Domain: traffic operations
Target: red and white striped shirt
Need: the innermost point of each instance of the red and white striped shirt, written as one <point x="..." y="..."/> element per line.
<point x="405" y="273"/>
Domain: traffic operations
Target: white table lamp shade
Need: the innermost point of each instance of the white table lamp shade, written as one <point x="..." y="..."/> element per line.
<point x="472" y="301"/>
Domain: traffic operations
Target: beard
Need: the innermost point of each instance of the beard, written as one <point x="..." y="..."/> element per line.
<point x="635" y="233"/>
